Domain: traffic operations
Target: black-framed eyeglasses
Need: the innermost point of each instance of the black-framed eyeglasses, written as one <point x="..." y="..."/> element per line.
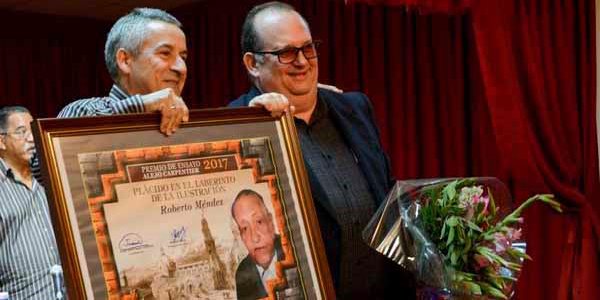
<point x="20" y="133"/>
<point x="288" y="55"/>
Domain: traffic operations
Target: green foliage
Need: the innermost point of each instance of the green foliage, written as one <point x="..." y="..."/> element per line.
<point x="463" y="230"/>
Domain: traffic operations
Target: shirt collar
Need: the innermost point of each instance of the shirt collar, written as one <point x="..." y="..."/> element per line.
<point x="117" y="93"/>
<point x="269" y="272"/>
<point x="4" y="170"/>
<point x="321" y="112"/>
<point x="7" y="173"/>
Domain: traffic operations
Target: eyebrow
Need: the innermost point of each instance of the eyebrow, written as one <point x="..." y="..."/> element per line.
<point x="166" y="45"/>
<point x="289" y="47"/>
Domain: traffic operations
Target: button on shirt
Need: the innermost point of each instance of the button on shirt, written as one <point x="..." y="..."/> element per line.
<point x="335" y="167"/>
<point x="27" y="244"/>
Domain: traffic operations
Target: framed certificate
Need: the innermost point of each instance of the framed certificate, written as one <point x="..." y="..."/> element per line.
<point x="219" y="210"/>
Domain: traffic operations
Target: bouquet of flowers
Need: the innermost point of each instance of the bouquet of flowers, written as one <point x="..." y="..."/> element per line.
<point x="459" y="237"/>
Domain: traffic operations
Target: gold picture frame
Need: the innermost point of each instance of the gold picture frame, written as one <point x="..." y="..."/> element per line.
<point x="138" y="215"/>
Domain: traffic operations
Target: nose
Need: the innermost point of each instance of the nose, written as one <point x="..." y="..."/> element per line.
<point x="29" y="136"/>
<point x="179" y="66"/>
<point x="300" y="60"/>
<point x="254" y="235"/>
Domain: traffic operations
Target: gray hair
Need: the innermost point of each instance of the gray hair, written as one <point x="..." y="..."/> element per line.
<point x="129" y="32"/>
<point x="7" y="111"/>
<point x="250" y="40"/>
<point x="247" y="192"/>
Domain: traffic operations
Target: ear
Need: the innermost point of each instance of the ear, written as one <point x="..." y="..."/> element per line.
<point x="251" y="64"/>
<point x="2" y="144"/>
<point x="124" y="60"/>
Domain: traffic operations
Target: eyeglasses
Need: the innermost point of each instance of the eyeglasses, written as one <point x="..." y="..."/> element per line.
<point x="288" y="55"/>
<point x="20" y="133"/>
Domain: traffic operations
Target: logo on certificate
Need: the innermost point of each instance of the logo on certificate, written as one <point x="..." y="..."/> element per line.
<point x="178" y="236"/>
<point x="133" y="243"/>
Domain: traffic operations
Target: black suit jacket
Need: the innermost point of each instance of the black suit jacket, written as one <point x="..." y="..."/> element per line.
<point x="248" y="284"/>
<point x="352" y="114"/>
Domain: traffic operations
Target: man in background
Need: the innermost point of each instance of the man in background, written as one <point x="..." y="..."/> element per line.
<point x="348" y="171"/>
<point x="28" y="249"/>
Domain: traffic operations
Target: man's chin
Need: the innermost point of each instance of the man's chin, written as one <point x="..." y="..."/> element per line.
<point x="303" y="87"/>
<point x="262" y="259"/>
<point x="175" y="87"/>
<point x="263" y="264"/>
<point x="24" y="159"/>
<point x="28" y="155"/>
<point x="302" y="90"/>
<point x="177" y="90"/>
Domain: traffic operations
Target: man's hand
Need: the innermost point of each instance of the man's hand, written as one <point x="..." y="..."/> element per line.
<point x="332" y="88"/>
<point x="171" y="107"/>
<point x="276" y="103"/>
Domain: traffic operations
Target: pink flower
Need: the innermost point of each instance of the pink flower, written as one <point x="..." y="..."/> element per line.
<point x="469" y="196"/>
<point x="501" y="242"/>
<point x="485" y="200"/>
<point x="513" y="234"/>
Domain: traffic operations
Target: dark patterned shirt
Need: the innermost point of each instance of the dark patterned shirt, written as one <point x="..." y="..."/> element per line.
<point x="335" y="166"/>
<point x="27" y="245"/>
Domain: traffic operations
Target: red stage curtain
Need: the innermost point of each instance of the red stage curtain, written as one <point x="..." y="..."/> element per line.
<point x="504" y="88"/>
<point x="537" y="62"/>
<point x="48" y="61"/>
<point x="538" y="66"/>
<point x="443" y="6"/>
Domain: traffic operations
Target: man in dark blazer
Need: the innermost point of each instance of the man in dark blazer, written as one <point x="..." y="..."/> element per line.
<point x="348" y="170"/>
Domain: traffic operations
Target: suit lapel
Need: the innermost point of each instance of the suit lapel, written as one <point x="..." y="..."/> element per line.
<point x="357" y="138"/>
<point x="344" y="116"/>
<point x="254" y="91"/>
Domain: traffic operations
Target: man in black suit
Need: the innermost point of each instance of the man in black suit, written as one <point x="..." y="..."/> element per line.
<point x="348" y="170"/>
<point x="257" y="230"/>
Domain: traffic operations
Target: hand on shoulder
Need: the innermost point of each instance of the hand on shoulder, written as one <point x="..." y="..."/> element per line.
<point x="332" y="88"/>
<point x="276" y="103"/>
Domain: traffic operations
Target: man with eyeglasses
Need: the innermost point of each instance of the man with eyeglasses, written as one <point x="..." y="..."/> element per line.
<point x="28" y="250"/>
<point x="348" y="171"/>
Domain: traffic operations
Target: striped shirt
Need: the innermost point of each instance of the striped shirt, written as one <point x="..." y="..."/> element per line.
<point x="118" y="102"/>
<point x="27" y="245"/>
